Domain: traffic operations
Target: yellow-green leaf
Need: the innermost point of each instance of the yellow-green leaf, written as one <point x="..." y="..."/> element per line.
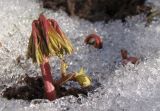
<point x="82" y="78"/>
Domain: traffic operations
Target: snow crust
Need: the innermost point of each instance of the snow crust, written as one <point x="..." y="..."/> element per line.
<point x="130" y="88"/>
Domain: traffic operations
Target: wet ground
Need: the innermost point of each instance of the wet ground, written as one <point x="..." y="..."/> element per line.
<point x="98" y="10"/>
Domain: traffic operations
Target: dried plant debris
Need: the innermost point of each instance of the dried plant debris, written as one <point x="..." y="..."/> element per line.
<point x="152" y="15"/>
<point x="29" y="88"/>
<point x="97" y="10"/>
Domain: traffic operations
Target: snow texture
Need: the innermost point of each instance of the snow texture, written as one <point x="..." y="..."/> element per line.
<point x="130" y="88"/>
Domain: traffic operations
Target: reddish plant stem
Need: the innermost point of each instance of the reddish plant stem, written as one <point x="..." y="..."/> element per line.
<point x="124" y="54"/>
<point x="48" y="81"/>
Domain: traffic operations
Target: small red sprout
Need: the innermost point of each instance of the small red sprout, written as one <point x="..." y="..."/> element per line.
<point x="126" y="59"/>
<point x="94" y="40"/>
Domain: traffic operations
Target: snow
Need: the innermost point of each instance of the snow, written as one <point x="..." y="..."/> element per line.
<point x="130" y="88"/>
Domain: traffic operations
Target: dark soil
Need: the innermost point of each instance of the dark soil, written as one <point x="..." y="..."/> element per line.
<point x="97" y="10"/>
<point x="29" y="88"/>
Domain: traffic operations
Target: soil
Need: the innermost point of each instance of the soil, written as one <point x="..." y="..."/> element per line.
<point x="97" y="10"/>
<point x="29" y="88"/>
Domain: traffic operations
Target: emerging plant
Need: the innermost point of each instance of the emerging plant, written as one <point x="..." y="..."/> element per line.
<point x="94" y="40"/>
<point x="46" y="40"/>
<point x="126" y="59"/>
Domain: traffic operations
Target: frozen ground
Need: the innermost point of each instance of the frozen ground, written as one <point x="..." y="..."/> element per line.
<point x="130" y="88"/>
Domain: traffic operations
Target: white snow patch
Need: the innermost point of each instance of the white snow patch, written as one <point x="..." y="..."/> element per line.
<point x="130" y="88"/>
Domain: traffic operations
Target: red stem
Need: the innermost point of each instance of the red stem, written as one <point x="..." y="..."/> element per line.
<point x="124" y="54"/>
<point x="48" y="81"/>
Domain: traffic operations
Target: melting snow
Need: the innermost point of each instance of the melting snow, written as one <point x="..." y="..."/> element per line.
<point x="130" y="88"/>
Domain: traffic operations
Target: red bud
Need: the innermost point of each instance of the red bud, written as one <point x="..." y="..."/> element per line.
<point x="94" y="40"/>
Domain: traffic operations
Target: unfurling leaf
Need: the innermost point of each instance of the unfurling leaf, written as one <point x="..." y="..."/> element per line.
<point x="82" y="78"/>
<point x="47" y="39"/>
